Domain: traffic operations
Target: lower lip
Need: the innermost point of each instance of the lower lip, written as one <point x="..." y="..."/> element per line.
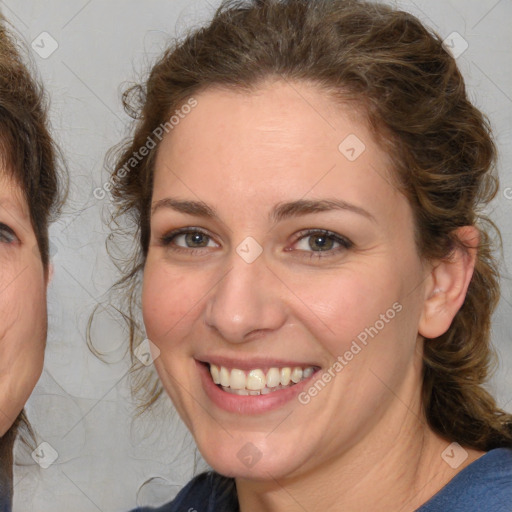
<point x="248" y="404"/>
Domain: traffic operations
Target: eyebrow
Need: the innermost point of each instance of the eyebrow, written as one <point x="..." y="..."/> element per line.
<point x="279" y="213"/>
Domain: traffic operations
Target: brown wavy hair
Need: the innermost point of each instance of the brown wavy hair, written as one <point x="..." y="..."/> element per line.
<point x="28" y="156"/>
<point x="413" y="97"/>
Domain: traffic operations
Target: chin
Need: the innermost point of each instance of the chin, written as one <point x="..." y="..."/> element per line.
<point x="255" y="459"/>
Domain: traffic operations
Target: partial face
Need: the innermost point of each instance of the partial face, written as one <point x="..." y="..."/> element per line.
<point x="22" y="304"/>
<point x="286" y="325"/>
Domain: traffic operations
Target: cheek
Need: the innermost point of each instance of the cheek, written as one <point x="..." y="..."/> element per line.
<point x="22" y="340"/>
<point x="23" y="307"/>
<point x="171" y="300"/>
<point x="338" y="305"/>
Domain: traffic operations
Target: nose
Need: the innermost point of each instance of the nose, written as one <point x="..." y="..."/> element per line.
<point x="247" y="300"/>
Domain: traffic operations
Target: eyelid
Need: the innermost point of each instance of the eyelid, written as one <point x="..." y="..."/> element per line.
<point x="11" y="235"/>
<point x="321" y="231"/>
<point x="344" y="242"/>
<point x="171" y="235"/>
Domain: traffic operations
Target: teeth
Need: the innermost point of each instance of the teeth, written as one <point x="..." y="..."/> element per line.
<point x="307" y="372"/>
<point x="237" y="380"/>
<point x="273" y="378"/>
<point x="224" y="377"/>
<point x="297" y="375"/>
<point x="214" y="370"/>
<point x="237" y="391"/>
<point x="285" y="376"/>
<point x="256" y="382"/>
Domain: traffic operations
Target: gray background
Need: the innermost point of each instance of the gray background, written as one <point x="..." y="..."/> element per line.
<point x="107" y="460"/>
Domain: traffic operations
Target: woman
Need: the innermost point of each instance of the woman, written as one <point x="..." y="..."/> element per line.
<point x="317" y="280"/>
<point x="28" y="198"/>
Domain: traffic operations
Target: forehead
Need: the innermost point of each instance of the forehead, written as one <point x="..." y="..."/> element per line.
<point x="277" y="112"/>
<point x="281" y="138"/>
<point x="12" y="198"/>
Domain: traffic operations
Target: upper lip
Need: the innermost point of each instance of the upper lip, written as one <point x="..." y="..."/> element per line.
<point x="251" y="364"/>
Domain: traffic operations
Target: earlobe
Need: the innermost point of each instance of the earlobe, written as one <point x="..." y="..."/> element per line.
<point x="447" y="285"/>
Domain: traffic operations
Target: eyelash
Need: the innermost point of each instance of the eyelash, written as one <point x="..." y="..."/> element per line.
<point x="345" y="243"/>
<point x="7" y="235"/>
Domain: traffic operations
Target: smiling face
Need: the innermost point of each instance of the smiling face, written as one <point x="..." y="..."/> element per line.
<point x="276" y="253"/>
<point x="22" y="304"/>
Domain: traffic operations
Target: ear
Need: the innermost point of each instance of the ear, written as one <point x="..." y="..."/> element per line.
<point x="447" y="285"/>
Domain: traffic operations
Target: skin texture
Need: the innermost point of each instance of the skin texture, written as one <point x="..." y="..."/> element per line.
<point x="23" y="322"/>
<point x="362" y="443"/>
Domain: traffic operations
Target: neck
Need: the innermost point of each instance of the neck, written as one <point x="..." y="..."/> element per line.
<point x="396" y="468"/>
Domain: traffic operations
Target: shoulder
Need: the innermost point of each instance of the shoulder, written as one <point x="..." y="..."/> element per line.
<point x="207" y="492"/>
<point x="486" y="484"/>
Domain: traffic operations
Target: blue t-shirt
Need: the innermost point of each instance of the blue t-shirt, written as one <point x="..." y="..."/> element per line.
<point x="5" y="489"/>
<point x="483" y="486"/>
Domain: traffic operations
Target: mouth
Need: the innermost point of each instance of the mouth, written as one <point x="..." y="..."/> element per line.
<point x="258" y="381"/>
<point x="253" y="387"/>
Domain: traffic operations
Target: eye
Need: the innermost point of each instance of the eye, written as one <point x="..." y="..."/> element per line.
<point x="322" y="241"/>
<point x="7" y="235"/>
<point x="313" y="242"/>
<point x="187" y="239"/>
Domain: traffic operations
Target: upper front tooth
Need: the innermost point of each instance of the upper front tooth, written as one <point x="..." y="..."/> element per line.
<point x="273" y="378"/>
<point x="237" y="380"/>
<point x="224" y="377"/>
<point x="296" y="374"/>
<point x="256" y="380"/>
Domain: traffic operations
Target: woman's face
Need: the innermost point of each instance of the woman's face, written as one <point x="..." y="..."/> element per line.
<point x="22" y="303"/>
<point x="294" y="255"/>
